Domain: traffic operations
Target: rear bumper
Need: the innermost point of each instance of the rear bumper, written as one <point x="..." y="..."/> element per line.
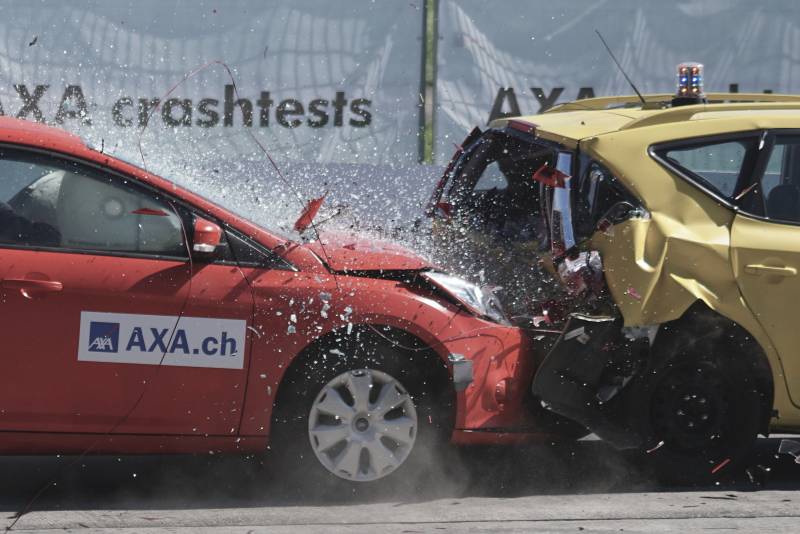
<point x="585" y="378"/>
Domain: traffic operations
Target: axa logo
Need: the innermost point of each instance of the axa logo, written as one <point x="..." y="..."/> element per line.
<point x="103" y="337"/>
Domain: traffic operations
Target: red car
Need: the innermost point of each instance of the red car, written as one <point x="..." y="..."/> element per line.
<point x="138" y="317"/>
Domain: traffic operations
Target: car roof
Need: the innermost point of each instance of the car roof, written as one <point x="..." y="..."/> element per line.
<point x="571" y="122"/>
<point x="36" y="134"/>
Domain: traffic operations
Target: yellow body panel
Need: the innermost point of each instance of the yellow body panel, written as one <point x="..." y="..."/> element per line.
<point x="657" y="268"/>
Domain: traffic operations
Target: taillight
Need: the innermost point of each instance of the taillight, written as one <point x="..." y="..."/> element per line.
<point x="523" y="126"/>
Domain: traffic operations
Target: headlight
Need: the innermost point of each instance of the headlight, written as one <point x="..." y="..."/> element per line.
<point x="480" y="301"/>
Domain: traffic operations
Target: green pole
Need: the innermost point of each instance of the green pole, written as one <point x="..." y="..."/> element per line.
<point x="428" y="82"/>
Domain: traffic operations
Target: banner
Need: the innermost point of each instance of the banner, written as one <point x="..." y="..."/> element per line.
<point x="501" y="57"/>
<point x="327" y="82"/>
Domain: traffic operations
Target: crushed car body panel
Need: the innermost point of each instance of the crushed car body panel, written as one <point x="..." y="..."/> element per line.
<point x="683" y="242"/>
<point x="657" y="268"/>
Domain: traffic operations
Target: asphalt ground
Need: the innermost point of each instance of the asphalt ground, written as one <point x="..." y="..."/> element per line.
<point x="575" y="487"/>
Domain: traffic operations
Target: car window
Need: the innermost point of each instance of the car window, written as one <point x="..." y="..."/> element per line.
<point x="596" y="193"/>
<point x="491" y="178"/>
<point x="47" y="202"/>
<point x="772" y="174"/>
<point x="717" y="164"/>
<point x="492" y="186"/>
<point x="780" y="185"/>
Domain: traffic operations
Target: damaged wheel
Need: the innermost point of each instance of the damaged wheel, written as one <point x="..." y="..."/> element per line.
<point x="703" y="413"/>
<point x="359" y="415"/>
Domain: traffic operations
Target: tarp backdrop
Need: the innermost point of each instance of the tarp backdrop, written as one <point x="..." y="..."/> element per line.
<point x="317" y="81"/>
<point x="330" y="88"/>
<point x="522" y="55"/>
<point x="333" y="89"/>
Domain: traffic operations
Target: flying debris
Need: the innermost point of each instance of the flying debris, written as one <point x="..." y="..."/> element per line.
<point x="306" y="218"/>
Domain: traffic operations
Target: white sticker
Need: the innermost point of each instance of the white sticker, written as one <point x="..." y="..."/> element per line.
<point x="147" y="339"/>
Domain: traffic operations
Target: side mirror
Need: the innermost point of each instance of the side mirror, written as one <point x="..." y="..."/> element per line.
<point x="207" y="237"/>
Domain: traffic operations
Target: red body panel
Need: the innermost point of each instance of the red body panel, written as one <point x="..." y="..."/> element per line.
<point x="50" y="391"/>
<point x="346" y="253"/>
<point x="54" y="403"/>
<point x="498" y="353"/>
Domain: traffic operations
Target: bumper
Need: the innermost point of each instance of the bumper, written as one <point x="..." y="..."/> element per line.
<point x="585" y="375"/>
<point x="492" y="372"/>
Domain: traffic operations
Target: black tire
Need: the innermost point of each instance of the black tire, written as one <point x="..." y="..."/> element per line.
<point x="700" y="409"/>
<point x="420" y="373"/>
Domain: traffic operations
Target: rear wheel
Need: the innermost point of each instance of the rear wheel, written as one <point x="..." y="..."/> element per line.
<point x="701" y="411"/>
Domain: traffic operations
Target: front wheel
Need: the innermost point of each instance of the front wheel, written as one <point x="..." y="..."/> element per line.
<point x="354" y="417"/>
<point x="363" y="425"/>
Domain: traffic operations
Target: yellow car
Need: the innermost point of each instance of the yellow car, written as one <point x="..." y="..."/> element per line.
<point x="652" y="248"/>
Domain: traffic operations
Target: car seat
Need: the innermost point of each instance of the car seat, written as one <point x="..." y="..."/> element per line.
<point x="783" y="202"/>
<point x="37" y="202"/>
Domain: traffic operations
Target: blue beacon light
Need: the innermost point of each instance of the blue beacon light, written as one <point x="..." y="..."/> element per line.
<point x="690" y="84"/>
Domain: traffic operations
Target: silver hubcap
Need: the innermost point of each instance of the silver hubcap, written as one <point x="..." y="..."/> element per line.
<point x="362" y="425"/>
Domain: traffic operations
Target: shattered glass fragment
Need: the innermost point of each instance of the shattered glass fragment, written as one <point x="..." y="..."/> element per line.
<point x="346" y="315"/>
<point x="583" y="273"/>
<point x="790" y="447"/>
<point x="758" y="475"/>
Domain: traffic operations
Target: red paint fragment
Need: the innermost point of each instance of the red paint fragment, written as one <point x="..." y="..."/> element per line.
<point x="722" y="464"/>
<point x="444" y="209"/>
<point x="309" y="212"/>
<point x="631" y="291"/>
<point x="550" y="176"/>
<point x="541" y="319"/>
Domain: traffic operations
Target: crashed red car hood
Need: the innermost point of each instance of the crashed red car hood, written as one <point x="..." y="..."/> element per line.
<point x="344" y="252"/>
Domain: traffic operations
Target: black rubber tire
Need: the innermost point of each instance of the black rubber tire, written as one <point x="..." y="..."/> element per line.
<point x="693" y="375"/>
<point x="290" y="455"/>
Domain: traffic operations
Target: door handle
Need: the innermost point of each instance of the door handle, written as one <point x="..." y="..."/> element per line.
<point x="757" y="268"/>
<point x="29" y="287"/>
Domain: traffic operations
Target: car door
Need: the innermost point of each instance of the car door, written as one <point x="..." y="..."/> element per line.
<point x="200" y="386"/>
<point x="765" y="242"/>
<point x="102" y="309"/>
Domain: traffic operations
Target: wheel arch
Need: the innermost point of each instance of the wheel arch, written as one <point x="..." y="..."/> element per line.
<point x="431" y="362"/>
<point x="702" y="322"/>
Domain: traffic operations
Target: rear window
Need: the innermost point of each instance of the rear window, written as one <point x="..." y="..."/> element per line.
<point x="715" y="165"/>
<point x="491" y="186"/>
